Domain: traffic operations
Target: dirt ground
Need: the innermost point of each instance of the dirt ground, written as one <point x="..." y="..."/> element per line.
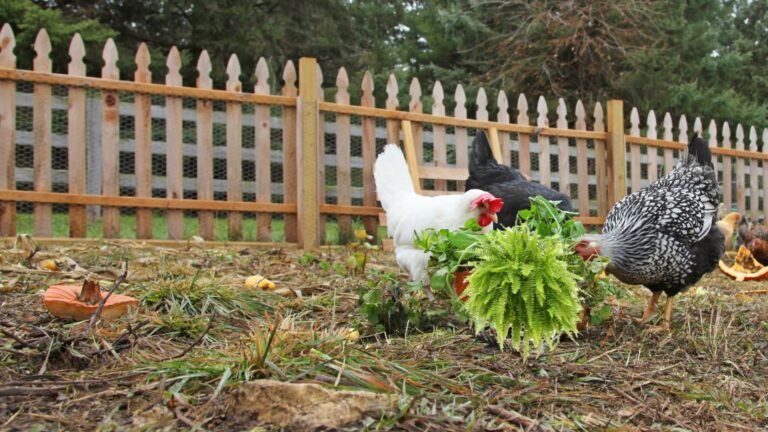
<point x="204" y="353"/>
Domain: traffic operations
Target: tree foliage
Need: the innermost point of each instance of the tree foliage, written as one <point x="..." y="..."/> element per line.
<point x="697" y="57"/>
<point x="26" y="20"/>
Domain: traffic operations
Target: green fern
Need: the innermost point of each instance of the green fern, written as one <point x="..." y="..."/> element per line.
<point x="522" y="286"/>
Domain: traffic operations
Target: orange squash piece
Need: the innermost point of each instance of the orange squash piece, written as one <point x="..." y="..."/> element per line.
<point x="79" y="303"/>
<point x="745" y="267"/>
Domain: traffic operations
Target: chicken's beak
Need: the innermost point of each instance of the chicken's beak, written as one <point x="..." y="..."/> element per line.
<point x="494" y="218"/>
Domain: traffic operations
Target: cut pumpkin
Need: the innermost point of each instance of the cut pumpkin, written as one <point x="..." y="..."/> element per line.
<point x="80" y="302"/>
<point x="744" y="268"/>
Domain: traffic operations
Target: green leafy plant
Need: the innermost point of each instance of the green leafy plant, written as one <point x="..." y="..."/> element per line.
<point x="546" y="219"/>
<point x="358" y="252"/>
<point x="392" y="308"/>
<point x="521" y="285"/>
<point x="449" y="251"/>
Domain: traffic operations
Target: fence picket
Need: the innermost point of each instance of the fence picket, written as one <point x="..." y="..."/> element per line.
<point x="502" y="116"/>
<point x="290" y="187"/>
<point x="712" y="129"/>
<point x="7" y="132"/>
<point x="439" y="146"/>
<point x="392" y="103"/>
<point x="754" y="185"/>
<point x="343" y="152"/>
<point x="41" y="130"/>
<point x="669" y="160"/>
<point x="481" y="100"/>
<point x="369" y="153"/>
<point x="174" y="135"/>
<point x="460" y="134"/>
<point x="727" y="167"/>
<point x="204" y="150"/>
<point x="321" y="178"/>
<point x="563" y="152"/>
<point x="582" y="162"/>
<point x="262" y="147"/>
<point x="682" y="126"/>
<point x="76" y="133"/>
<point x="234" y="149"/>
<point x="110" y="136"/>
<point x="634" y="150"/>
<point x="741" y="199"/>
<point x="143" y="153"/>
<point x="524" y="151"/>
<point x="415" y="106"/>
<point x="601" y="163"/>
<point x="544" y="153"/>
<point x="764" y="138"/>
<point x="653" y="154"/>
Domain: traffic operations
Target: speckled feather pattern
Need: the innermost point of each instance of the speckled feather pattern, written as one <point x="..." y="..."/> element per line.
<point x="665" y="236"/>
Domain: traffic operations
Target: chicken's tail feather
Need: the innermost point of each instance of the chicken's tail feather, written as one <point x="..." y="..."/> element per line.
<point x="391" y="175"/>
<point x="698" y="151"/>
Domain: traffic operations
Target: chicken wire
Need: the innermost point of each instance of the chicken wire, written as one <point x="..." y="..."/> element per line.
<point x="24" y="160"/>
<point x="425" y="140"/>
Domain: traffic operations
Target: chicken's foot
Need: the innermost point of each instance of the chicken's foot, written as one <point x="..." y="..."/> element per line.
<point x="650" y="309"/>
<point x="664" y="327"/>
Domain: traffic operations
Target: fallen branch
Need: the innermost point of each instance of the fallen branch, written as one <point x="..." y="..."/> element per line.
<point x="29" y="391"/>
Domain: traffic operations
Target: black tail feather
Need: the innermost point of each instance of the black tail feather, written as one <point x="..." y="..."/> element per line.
<point x="481" y="152"/>
<point x="698" y="150"/>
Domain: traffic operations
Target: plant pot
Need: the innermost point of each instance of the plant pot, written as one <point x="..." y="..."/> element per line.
<point x="460" y="282"/>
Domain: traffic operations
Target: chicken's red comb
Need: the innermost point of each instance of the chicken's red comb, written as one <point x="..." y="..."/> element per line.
<point x="494" y="204"/>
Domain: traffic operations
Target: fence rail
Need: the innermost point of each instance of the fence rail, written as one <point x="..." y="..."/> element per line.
<point x="92" y="148"/>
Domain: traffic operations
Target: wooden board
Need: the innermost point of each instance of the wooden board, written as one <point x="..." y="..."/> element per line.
<point x="115" y="85"/>
<point x="110" y="137"/>
<point x="143" y="152"/>
<point x="41" y="130"/>
<point x="234" y="150"/>
<point x="344" y="155"/>
<point x="262" y="147"/>
<point x="308" y="203"/>
<point x="204" y="131"/>
<point x="289" y="151"/>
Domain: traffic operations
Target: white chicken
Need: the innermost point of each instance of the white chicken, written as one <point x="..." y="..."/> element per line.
<point x="409" y="213"/>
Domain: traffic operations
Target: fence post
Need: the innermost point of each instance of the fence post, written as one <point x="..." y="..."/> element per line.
<point x="306" y="155"/>
<point x="617" y="154"/>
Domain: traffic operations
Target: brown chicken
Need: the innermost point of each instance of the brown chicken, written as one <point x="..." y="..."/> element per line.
<point x="755" y="237"/>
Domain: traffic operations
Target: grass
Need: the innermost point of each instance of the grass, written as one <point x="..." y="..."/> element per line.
<point x="199" y="337"/>
<point x="60" y="222"/>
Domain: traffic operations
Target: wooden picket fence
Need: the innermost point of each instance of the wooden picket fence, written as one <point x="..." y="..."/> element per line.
<point x="308" y="162"/>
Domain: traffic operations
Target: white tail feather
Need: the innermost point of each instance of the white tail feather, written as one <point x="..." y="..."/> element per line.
<point x="392" y="176"/>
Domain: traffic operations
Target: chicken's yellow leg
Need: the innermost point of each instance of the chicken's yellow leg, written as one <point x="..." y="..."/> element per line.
<point x="667" y="313"/>
<point x="664" y="327"/>
<point x="650" y="309"/>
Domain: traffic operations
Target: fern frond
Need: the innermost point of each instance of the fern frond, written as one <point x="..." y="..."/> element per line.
<point x="523" y="287"/>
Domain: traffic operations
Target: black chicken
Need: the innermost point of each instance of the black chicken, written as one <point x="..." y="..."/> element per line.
<point x="506" y="183"/>
<point x="665" y="236"/>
